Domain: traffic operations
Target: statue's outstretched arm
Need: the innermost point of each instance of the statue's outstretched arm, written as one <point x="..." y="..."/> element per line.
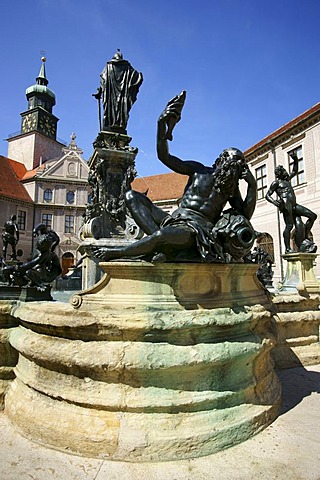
<point x="295" y="167"/>
<point x="166" y="122"/>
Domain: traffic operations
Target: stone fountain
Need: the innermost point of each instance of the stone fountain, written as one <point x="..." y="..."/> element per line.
<point x="168" y="355"/>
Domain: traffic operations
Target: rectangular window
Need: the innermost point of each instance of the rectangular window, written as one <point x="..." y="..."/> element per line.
<point x="261" y="177"/>
<point x="69" y="224"/>
<point x="21" y="220"/>
<point x="297" y="179"/>
<point x="47" y="219"/>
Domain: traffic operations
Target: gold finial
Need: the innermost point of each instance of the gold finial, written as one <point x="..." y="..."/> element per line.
<point x="43" y="58"/>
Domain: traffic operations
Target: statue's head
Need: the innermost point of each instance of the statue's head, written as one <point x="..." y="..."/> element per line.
<point x="118" y="55"/>
<point x="233" y="158"/>
<point x="44" y="243"/>
<point x="39" y="229"/>
<point x="229" y="168"/>
<point x="281" y="173"/>
<point x="13" y="218"/>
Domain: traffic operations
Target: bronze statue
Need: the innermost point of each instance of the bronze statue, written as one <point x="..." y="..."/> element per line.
<point x="10" y="236"/>
<point x="42" y="269"/>
<point x="196" y="231"/>
<point x="264" y="273"/>
<point x="118" y="90"/>
<point x="291" y="210"/>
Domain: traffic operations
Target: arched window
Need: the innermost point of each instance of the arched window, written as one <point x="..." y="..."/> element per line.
<point x="265" y="241"/>
<point x="70" y="197"/>
<point x="47" y="195"/>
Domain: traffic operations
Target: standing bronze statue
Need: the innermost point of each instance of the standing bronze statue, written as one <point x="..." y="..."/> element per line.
<point x="291" y="210"/>
<point x="197" y="230"/>
<point x="10" y="236"/>
<point x="119" y="87"/>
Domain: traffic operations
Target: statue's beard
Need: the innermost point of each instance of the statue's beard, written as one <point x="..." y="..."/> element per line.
<point x="227" y="177"/>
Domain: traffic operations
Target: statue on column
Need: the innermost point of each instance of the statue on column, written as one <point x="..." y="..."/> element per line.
<point x="118" y="90"/>
<point x="291" y="210"/>
<point x="10" y="236"/>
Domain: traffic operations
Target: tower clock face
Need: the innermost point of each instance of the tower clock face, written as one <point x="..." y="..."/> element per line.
<point x="47" y="125"/>
<point x="29" y="123"/>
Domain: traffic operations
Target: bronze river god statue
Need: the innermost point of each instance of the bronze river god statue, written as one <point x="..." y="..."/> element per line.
<point x="199" y="230"/>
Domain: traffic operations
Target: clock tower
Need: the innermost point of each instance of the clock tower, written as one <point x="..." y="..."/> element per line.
<point x="37" y="140"/>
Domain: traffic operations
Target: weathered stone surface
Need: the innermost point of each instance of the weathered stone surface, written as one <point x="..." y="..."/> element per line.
<point x="8" y="356"/>
<point x="156" y="362"/>
<point x="300" y="275"/>
<point x="298" y="323"/>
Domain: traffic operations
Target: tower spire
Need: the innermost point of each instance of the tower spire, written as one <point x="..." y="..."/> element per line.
<point x="42" y="77"/>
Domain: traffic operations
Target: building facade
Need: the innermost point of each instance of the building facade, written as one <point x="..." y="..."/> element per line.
<point x="301" y="136"/>
<point x="52" y="175"/>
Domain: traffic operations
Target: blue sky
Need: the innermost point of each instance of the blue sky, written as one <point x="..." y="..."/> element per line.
<point x="248" y="67"/>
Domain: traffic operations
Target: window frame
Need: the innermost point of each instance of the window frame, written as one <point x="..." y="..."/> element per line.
<point x="262" y="190"/>
<point x="69" y="226"/>
<point x="45" y="218"/>
<point x="44" y="195"/>
<point x="22" y="220"/>
<point x="298" y="179"/>
<point x="73" y="197"/>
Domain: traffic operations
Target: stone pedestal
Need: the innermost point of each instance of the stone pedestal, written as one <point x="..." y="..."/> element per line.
<point x="298" y="325"/>
<point x="155" y="362"/>
<point x="8" y="356"/>
<point x="112" y="169"/>
<point x="300" y="275"/>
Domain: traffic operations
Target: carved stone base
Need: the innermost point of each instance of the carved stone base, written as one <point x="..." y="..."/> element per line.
<point x="112" y="169"/>
<point x="155" y="362"/>
<point x="300" y="275"/>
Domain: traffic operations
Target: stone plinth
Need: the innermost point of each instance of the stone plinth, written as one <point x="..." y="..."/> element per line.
<point x="155" y="362"/>
<point x="8" y="356"/>
<point x="298" y="325"/>
<point x="300" y="275"/>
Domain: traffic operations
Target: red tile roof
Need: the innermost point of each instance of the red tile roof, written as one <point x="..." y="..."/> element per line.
<point x="308" y="113"/>
<point x="31" y="173"/>
<point x="19" y="168"/>
<point x="10" y="186"/>
<point x="166" y="186"/>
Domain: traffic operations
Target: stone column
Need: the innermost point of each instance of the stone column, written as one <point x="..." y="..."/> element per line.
<point x="112" y="169"/>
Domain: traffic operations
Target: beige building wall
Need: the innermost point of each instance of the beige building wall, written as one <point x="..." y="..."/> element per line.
<point x="266" y="217"/>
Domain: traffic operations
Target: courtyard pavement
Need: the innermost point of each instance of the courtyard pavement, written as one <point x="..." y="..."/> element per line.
<point x="289" y="449"/>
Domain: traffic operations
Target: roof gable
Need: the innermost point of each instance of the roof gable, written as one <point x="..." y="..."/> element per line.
<point x="70" y="166"/>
